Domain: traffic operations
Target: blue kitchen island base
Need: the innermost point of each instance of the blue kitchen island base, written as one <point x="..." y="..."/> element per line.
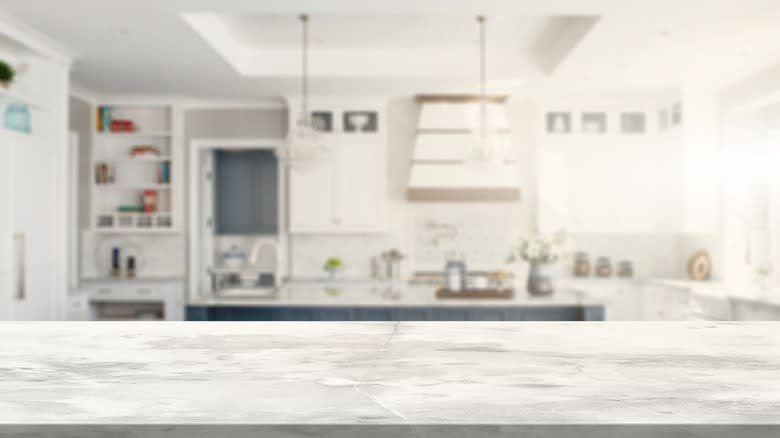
<point x="385" y="313"/>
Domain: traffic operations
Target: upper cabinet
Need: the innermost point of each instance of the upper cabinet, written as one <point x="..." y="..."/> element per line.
<point x="348" y="193"/>
<point x="608" y="169"/>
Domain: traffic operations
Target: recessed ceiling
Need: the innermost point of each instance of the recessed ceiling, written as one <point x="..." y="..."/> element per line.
<point x="366" y="46"/>
<point x="144" y="46"/>
<point x="384" y="32"/>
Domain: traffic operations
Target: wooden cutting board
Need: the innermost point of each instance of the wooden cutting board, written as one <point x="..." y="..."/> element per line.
<point x="476" y="294"/>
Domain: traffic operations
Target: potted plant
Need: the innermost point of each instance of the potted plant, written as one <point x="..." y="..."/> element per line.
<point x="333" y="266"/>
<point x="7" y="74"/>
<point x="541" y="253"/>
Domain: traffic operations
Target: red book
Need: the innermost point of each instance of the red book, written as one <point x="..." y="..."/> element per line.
<point x="122" y="126"/>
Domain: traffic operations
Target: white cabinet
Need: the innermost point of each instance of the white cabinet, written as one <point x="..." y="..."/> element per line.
<point x="33" y="180"/>
<point x="610" y="182"/>
<point x="6" y="225"/>
<point x="361" y="189"/>
<point x="34" y="225"/>
<point x="313" y="199"/>
<point x="622" y="298"/>
<point x="665" y="303"/>
<point x="28" y="261"/>
<point x="348" y="194"/>
<point x="112" y="300"/>
<point x="746" y="310"/>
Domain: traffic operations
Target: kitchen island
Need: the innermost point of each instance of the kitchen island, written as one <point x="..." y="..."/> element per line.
<point x="389" y="379"/>
<point x="335" y="301"/>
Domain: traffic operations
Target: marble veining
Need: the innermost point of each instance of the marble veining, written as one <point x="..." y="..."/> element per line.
<point x="407" y="373"/>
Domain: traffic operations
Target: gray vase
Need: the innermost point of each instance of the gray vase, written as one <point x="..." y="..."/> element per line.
<point x="540" y="280"/>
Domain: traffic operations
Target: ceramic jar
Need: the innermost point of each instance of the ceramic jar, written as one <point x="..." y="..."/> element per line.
<point x="581" y="265"/>
<point x="603" y="267"/>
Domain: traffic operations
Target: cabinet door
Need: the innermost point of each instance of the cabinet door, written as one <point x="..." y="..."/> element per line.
<point x="34" y="225"/>
<point x="627" y="305"/>
<point x="6" y="225"/>
<point x="312" y="199"/>
<point x="360" y="186"/>
<point x="752" y="311"/>
<point x="663" y="303"/>
<point x="335" y="314"/>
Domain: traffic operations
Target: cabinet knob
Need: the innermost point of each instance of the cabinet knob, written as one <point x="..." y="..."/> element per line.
<point x="336" y="220"/>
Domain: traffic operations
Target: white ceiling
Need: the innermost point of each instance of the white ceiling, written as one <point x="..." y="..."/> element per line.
<point x="145" y="46"/>
<point x="384" y="31"/>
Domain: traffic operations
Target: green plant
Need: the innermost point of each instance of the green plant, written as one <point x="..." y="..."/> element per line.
<point x="7" y="73"/>
<point x="333" y="264"/>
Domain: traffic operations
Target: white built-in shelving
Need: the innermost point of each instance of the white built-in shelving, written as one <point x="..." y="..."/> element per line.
<point x="126" y="179"/>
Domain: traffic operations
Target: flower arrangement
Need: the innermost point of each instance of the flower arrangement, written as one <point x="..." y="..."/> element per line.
<point x="538" y="249"/>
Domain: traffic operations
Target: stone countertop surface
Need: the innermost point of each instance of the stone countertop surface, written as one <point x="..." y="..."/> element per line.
<point x="391" y="295"/>
<point x="389" y="373"/>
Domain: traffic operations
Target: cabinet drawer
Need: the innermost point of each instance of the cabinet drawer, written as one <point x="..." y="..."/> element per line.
<point x="749" y="311"/>
<point x="126" y="293"/>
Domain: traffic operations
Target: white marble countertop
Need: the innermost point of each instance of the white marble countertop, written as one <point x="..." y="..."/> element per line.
<point x="708" y="288"/>
<point x="389" y="373"/>
<point x="335" y="294"/>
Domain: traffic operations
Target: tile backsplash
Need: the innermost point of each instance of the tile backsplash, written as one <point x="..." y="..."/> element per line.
<point x="152" y="253"/>
<point x="483" y="234"/>
<point x="309" y="253"/>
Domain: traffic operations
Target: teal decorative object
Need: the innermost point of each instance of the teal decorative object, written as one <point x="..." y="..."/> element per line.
<point x="17" y="117"/>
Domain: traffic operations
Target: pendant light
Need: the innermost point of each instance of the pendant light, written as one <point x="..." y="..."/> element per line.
<point x="306" y="147"/>
<point x="483" y="146"/>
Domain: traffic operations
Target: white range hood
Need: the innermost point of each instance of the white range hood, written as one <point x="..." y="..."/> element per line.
<point x="438" y="172"/>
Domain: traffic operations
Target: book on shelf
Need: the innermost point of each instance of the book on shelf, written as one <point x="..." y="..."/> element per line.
<point x="122" y="126"/>
<point x="104" y="173"/>
<point x="106" y="122"/>
<point x="165" y="172"/>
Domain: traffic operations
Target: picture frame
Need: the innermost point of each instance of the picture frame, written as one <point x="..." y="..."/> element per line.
<point x="322" y="121"/>
<point x="558" y="123"/>
<point x="361" y="122"/>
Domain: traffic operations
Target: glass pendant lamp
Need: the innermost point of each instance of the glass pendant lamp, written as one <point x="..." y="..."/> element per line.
<point x="306" y="147"/>
<point x="484" y="148"/>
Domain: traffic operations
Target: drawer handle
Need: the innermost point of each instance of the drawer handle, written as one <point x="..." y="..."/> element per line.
<point x="144" y="291"/>
<point x="104" y="291"/>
